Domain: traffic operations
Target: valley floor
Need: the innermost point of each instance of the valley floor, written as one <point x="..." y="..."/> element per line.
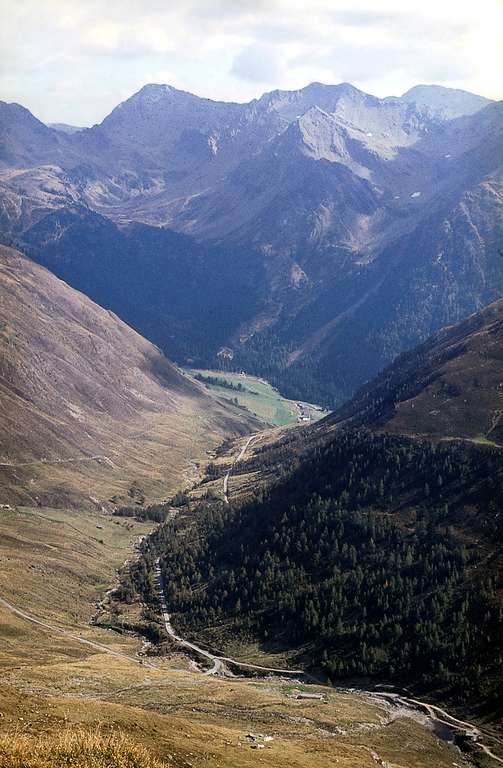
<point x="56" y="567"/>
<point x="259" y="397"/>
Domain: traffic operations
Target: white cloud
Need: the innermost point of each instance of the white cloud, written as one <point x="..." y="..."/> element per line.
<point x="258" y="64"/>
<point x="77" y="60"/>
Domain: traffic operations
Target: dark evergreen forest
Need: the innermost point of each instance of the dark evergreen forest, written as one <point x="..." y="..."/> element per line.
<point x="364" y="558"/>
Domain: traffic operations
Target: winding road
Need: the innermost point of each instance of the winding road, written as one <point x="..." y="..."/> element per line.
<point x="219" y="662"/>
<point x="441" y="716"/>
<point x="219" y="667"/>
<point x="55" y="630"/>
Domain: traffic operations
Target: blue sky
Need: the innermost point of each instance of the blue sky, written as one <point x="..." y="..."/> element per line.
<point x="74" y="60"/>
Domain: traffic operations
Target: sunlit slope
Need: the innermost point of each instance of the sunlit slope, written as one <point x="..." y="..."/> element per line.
<point x="52" y="687"/>
<point x="451" y="386"/>
<point x="88" y="407"/>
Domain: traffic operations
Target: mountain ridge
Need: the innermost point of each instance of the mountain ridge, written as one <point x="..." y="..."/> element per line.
<point x="368" y="552"/>
<point x="449" y="387"/>
<point x="328" y="191"/>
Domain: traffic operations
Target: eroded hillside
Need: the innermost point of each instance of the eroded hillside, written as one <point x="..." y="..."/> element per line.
<point x="88" y="407"/>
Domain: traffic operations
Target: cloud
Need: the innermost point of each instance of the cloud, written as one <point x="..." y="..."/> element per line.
<point x="258" y="64"/>
<point x="363" y="18"/>
<point x="132" y="39"/>
<point x="77" y="60"/>
<point x="400" y="57"/>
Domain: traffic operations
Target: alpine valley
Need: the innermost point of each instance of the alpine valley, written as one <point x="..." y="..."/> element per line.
<point x="251" y="444"/>
<point x="331" y="230"/>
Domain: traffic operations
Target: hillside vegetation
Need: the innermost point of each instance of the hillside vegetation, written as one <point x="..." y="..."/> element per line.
<point x="58" y="567"/>
<point x="363" y="553"/>
<point x="315" y="233"/>
<point x="363" y="559"/>
<point x="449" y="387"/>
<point x="75" y="749"/>
<point x="88" y="407"/>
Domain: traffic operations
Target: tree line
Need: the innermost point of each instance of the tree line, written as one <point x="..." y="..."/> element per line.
<point x="361" y="558"/>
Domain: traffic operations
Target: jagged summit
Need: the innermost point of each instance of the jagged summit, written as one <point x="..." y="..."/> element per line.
<point x="290" y="105"/>
<point x="381" y="203"/>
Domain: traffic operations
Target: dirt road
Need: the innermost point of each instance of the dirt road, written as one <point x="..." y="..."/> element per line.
<point x="439" y="715"/>
<point x="98" y="457"/>
<point x="219" y="662"/>
<point x="55" y="630"/>
<point x="236" y="460"/>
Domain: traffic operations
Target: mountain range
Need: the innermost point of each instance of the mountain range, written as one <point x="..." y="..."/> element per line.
<point x="347" y="228"/>
<point x="348" y="249"/>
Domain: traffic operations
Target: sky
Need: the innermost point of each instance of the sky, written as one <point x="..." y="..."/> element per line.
<point x="73" y="61"/>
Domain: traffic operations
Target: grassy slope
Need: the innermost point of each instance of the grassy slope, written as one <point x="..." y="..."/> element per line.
<point x="53" y="564"/>
<point x="87" y="405"/>
<point x="260" y="398"/>
<point x="78" y="747"/>
<point x="449" y="387"/>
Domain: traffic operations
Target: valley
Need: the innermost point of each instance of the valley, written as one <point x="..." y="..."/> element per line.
<point x="61" y="670"/>
<point x="315" y="233"/>
<point x="77" y="656"/>
<point x="52" y="683"/>
<point x="274" y="545"/>
<point x="85" y="641"/>
<point x="90" y="410"/>
<point x="251" y="408"/>
<point x="259" y="397"/>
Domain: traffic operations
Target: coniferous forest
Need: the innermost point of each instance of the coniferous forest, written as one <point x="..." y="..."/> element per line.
<point x="363" y="558"/>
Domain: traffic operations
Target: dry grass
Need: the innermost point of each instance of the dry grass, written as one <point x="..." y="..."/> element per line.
<point x="89" y="409"/>
<point x="58" y="565"/>
<point x="78" y="748"/>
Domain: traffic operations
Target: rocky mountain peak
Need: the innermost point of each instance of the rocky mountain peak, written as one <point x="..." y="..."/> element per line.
<point x="446" y="103"/>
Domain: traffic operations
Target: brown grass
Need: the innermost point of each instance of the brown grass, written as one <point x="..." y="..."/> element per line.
<point x="57" y="565"/>
<point x="78" y="748"/>
<point x="89" y="409"/>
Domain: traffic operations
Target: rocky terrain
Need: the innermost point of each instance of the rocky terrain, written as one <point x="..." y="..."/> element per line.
<point x="354" y="218"/>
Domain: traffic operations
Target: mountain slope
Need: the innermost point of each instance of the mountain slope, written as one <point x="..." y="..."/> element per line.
<point x="25" y="141"/>
<point x="88" y="407"/>
<point x="451" y="386"/>
<point x="445" y="269"/>
<point x="445" y="102"/>
<point x="365" y="553"/>
<point x="186" y="297"/>
<point x="347" y="228"/>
